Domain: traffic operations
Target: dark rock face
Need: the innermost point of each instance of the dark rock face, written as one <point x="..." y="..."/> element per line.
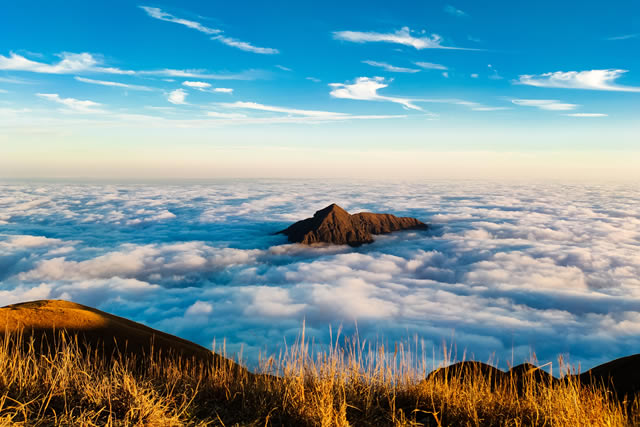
<point x="335" y="225"/>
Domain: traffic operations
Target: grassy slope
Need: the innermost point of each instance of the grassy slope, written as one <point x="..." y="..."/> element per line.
<point x="347" y="386"/>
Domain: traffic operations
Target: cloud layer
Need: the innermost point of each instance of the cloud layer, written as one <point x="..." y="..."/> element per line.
<point x="541" y="268"/>
<point x="593" y="80"/>
<point x="403" y="36"/>
<point x="366" y="89"/>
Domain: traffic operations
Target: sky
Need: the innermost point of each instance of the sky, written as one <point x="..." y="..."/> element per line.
<point x="284" y="89"/>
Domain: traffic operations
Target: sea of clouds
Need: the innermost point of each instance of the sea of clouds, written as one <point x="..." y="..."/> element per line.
<point x="507" y="270"/>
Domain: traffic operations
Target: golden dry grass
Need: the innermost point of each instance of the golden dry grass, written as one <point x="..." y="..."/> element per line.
<point x="344" y="385"/>
<point x="46" y="316"/>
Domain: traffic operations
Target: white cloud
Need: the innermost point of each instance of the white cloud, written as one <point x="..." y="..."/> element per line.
<point x="451" y="10"/>
<point x="402" y="36"/>
<point x="218" y="115"/>
<point x="445" y="74"/>
<point x="177" y="96"/>
<point x="12" y="80"/>
<point x="475" y="106"/>
<point x="157" y="13"/>
<point x="197" y="85"/>
<point x="624" y="37"/>
<point x="587" y="115"/>
<point x="113" y="84"/>
<point x="271" y="108"/>
<point x="202" y="74"/>
<point x="199" y="308"/>
<point x="391" y="68"/>
<point x="70" y="63"/>
<point x="271" y="302"/>
<point x="593" y="79"/>
<point x="289" y="115"/>
<point x="173" y="262"/>
<point x="474" y="76"/>
<point x="283" y="68"/>
<point x="248" y="47"/>
<point x="79" y="63"/>
<point x="431" y="66"/>
<point x="81" y="106"/>
<point x="366" y="89"/>
<point x="28" y="241"/>
<point x="495" y="75"/>
<point x="206" y="87"/>
<point x="313" y="79"/>
<point x="545" y="104"/>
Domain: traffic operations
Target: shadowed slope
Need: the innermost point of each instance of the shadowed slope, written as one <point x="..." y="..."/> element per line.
<point x="45" y="319"/>
<point x="622" y="375"/>
<point x="335" y="225"/>
<point x="469" y="371"/>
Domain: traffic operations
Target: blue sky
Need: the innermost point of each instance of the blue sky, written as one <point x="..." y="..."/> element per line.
<point x="104" y="88"/>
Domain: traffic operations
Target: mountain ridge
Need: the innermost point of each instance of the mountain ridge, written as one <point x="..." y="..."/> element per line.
<point x="335" y="225"/>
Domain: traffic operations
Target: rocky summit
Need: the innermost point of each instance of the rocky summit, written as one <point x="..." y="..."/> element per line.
<point x="335" y="225"/>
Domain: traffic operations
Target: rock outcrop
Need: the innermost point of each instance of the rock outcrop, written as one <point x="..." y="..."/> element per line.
<point x="335" y="225"/>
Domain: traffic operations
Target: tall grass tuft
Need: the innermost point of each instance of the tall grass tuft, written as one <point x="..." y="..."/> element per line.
<point x="349" y="383"/>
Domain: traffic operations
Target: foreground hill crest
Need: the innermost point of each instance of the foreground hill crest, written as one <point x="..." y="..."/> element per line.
<point x="335" y="225"/>
<point x="44" y="319"/>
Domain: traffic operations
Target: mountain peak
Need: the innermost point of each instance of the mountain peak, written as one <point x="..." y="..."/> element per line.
<point x="335" y="225"/>
<point x="332" y="208"/>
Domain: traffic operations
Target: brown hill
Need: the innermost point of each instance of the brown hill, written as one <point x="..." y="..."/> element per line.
<point x="620" y="376"/>
<point x="335" y="225"/>
<point x="44" y="320"/>
<point x="469" y="370"/>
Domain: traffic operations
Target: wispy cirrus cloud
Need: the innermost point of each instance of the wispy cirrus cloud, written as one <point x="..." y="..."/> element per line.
<point x="624" y="37"/>
<point x="592" y="80"/>
<point x="206" y="87"/>
<point x="545" y="104"/>
<point x="587" y="115"/>
<point x="275" y="109"/>
<point x="87" y="63"/>
<point x="452" y="10"/>
<point x="286" y="114"/>
<point x="160" y="14"/>
<point x="80" y="106"/>
<point x="219" y="115"/>
<point x="402" y="36"/>
<point x="70" y="63"/>
<point x="474" y="106"/>
<point x="113" y="84"/>
<point x="247" y="47"/>
<point x="430" y="66"/>
<point x="204" y="74"/>
<point x="390" y="68"/>
<point x="366" y="89"/>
